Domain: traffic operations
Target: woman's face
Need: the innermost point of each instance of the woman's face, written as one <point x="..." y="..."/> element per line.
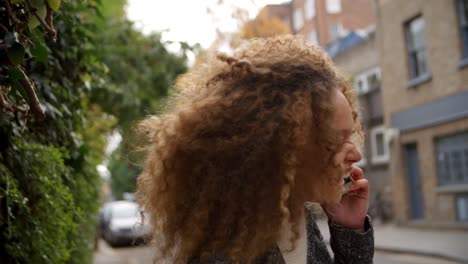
<point x="343" y="124"/>
<point x="331" y="187"/>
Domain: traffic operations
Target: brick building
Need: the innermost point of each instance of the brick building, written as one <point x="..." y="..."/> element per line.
<point x="356" y="55"/>
<point x="347" y="31"/>
<point x="423" y="46"/>
<point x="324" y="21"/>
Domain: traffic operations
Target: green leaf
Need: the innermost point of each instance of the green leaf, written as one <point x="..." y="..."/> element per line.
<point x="15" y="74"/>
<point x="15" y="85"/>
<point x="17" y="1"/>
<point x="16" y="53"/>
<point x="41" y="10"/>
<point x="40" y="52"/>
<point x="54" y="4"/>
<point x="33" y="22"/>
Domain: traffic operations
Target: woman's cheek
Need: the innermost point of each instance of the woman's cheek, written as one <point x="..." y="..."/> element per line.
<point x="338" y="159"/>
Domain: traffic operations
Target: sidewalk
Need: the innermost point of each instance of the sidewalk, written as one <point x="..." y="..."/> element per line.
<point x="450" y="244"/>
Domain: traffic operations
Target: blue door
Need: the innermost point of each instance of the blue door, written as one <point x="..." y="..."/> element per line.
<point x="414" y="182"/>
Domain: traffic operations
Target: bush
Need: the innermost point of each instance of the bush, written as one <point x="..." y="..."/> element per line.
<point x="41" y="214"/>
<point x="49" y="186"/>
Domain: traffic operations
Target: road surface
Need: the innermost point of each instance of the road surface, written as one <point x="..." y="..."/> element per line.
<point x="143" y="255"/>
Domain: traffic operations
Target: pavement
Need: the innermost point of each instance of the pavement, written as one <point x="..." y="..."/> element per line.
<point x="446" y="244"/>
<point x="435" y="245"/>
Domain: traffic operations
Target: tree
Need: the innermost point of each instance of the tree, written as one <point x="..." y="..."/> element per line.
<point x="140" y="74"/>
<point x="263" y="25"/>
<point x="60" y="97"/>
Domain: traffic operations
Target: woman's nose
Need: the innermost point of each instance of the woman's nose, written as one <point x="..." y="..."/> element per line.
<point x="353" y="155"/>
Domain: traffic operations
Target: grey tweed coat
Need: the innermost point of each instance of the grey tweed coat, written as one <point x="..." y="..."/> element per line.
<point x="349" y="247"/>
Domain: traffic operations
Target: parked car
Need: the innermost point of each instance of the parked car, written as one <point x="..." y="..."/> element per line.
<point x="123" y="223"/>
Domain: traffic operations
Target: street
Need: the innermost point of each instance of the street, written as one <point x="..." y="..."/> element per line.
<point x="143" y="255"/>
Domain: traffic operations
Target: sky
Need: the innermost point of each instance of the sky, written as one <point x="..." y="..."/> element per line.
<point x="188" y="20"/>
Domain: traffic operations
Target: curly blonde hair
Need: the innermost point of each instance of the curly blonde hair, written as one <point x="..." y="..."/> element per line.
<point x="220" y="176"/>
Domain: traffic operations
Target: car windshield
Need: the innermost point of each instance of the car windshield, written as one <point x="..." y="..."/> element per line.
<point x="127" y="211"/>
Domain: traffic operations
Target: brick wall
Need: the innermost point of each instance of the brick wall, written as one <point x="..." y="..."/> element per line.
<point x="354" y="15"/>
<point x="442" y="40"/>
<point x="443" y="56"/>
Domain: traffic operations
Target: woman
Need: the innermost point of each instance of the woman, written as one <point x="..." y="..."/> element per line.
<point x="246" y="141"/>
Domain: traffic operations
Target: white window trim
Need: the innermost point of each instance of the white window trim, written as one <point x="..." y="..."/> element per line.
<point x="340" y="32"/>
<point x="314" y="41"/>
<point x="334" y="8"/>
<point x="298" y="19"/>
<point x="363" y="78"/>
<point x="376" y="159"/>
<point x="310" y="9"/>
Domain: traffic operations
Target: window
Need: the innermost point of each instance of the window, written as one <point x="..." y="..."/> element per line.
<point x="373" y="81"/>
<point x="333" y="6"/>
<point x="359" y="85"/>
<point x="335" y="31"/>
<point x="297" y="19"/>
<point x="462" y="207"/>
<point x="452" y="159"/>
<point x="367" y="80"/>
<point x="309" y="9"/>
<point x="379" y="145"/>
<point x="313" y="37"/>
<point x="462" y="8"/>
<point x="416" y="44"/>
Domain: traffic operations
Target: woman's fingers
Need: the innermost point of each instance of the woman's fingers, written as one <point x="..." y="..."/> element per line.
<point x="361" y="185"/>
<point x="356" y="173"/>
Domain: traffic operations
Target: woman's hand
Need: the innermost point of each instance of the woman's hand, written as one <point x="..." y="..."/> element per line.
<point x="352" y="209"/>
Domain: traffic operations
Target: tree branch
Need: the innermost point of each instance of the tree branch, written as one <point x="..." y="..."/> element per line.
<point x="50" y="22"/>
<point x="3" y="104"/>
<point x="33" y="100"/>
<point x="48" y="27"/>
<point x="4" y="28"/>
<point x="10" y="13"/>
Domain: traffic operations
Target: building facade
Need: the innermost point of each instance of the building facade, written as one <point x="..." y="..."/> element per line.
<point x="423" y="46"/>
<point x="281" y="11"/>
<point x="358" y="58"/>
<point x="347" y="31"/>
<point x="325" y="21"/>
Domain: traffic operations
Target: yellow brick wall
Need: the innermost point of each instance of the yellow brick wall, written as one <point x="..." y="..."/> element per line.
<point x="443" y="54"/>
<point x="438" y="207"/>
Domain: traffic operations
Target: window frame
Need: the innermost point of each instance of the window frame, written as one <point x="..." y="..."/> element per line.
<point x="447" y="145"/>
<point x="363" y="77"/>
<point x="311" y="33"/>
<point x="310" y="9"/>
<point x="333" y="6"/>
<point x="414" y="68"/>
<point x="458" y="197"/>
<point x="463" y="27"/>
<point x="298" y="19"/>
<point x="375" y="158"/>
<point x="339" y="31"/>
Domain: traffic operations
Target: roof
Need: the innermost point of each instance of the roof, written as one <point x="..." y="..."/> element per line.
<point x="343" y="44"/>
